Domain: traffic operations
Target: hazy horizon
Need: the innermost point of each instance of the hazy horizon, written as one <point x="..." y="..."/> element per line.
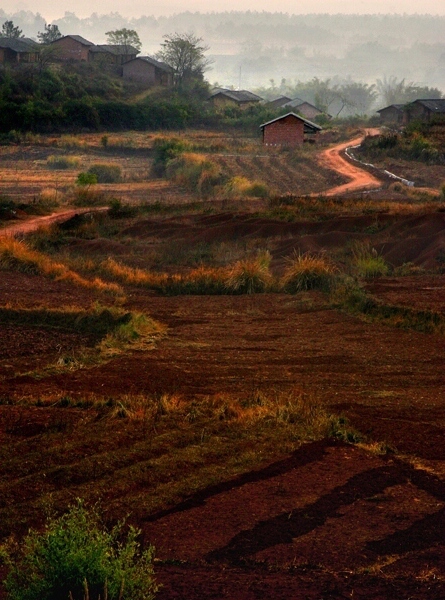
<point x="137" y="8"/>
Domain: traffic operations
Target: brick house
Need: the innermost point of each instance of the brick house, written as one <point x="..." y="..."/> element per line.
<point x="289" y="130"/>
<point x="18" y="50"/>
<point x="72" y="47"/>
<point x="392" y="114"/>
<point x="424" y="110"/>
<point x="149" y="71"/>
<point x="222" y="98"/>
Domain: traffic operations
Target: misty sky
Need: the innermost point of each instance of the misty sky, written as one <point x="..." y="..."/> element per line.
<point x="50" y="9"/>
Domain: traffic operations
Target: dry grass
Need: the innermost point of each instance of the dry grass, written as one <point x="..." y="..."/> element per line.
<point x="18" y="256"/>
<point x="250" y="276"/>
<point x="307" y="272"/>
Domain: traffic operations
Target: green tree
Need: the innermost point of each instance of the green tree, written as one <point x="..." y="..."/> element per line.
<point x="51" y="34"/>
<point x="124" y="37"/>
<point x="185" y="54"/>
<point x="9" y="30"/>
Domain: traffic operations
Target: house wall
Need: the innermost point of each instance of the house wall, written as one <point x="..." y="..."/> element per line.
<point x="285" y="132"/>
<point x="391" y="115"/>
<point x="139" y="70"/>
<point x="308" y="111"/>
<point x="69" y="49"/>
<point x="220" y="102"/>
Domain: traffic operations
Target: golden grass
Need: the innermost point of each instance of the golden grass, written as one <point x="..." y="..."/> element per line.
<point x="17" y="255"/>
<point x="307" y="272"/>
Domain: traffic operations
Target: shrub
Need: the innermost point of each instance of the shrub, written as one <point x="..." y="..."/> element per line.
<point x="165" y="150"/>
<point x="62" y="162"/>
<point x="250" y="276"/>
<point x="106" y="173"/>
<point x="241" y="186"/>
<point x="77" y="557"/>
<point x="307" y="272"/>
<point x="195" y="172"/>
<point x="86" y="179"/>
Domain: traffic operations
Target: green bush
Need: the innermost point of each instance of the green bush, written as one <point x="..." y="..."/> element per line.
<point x="165" y="150"/>
<point x="106" y="173"/>
<point x="77" y="557"/>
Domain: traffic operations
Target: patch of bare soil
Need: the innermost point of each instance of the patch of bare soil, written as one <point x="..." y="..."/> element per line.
<point x="420" y="292"/>
<point x="329" y="521"/>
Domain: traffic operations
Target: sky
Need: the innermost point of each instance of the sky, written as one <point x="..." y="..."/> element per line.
<point x="52" y="9"/>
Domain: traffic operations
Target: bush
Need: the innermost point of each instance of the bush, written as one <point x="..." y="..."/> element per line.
<point x="106" y="173"/>
<point x="241" y="186"/>
<point x="307" y="272"/>
<point x="165" y="150"/>
<point x="76" y="557"/>
<point x="62" y="162"/>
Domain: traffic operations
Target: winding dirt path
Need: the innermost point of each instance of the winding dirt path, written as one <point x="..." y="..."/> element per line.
<point x="360" y="179"/>
<point x="36" y="222"/>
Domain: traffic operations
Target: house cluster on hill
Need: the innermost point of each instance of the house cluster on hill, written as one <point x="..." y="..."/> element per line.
<point x="75" y="48"/>
<point x="422" y="110"/>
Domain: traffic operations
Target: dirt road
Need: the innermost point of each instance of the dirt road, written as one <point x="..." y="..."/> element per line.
<point x="35" y="222"/>
<point x="360" y="179"/>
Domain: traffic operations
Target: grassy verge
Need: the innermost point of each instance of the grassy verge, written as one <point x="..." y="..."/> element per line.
<point x="113" y="331"/>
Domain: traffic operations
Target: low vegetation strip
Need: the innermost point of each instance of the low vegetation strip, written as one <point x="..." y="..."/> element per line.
<point x="18" y="256"/>
<point x="112" y="330"/>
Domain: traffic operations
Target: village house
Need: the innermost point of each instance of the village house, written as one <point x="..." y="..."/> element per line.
<point x="222" y="98"/>
<point x="278" y="102"/>
<point x="112" y="54"/>
<point x="392" y="114"/>
<point x="149" y="71"/>
<point x="18" y="50"/>
<point x="305" y="109"/>
<point x="72" y="47"/>
<point x="424" y="110"/>
<point x="289" y="130"/>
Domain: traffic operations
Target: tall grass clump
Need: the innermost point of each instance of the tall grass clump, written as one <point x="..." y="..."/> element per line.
<point x="59" y="163"/>
<point x="367" y="262"/>
<point x="307" y="272"/>
<point x="250" y="276"/>
<point x="76" y="557"/>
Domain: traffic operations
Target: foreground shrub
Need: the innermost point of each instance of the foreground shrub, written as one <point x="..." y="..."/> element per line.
<point x="77" y="557"/>
<point x="250" y="276"/>
<point x="307" y="272"/>
<point x="165" y="150"/>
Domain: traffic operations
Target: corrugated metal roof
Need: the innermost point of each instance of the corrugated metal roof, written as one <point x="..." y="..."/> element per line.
<point x="307" y="123"/>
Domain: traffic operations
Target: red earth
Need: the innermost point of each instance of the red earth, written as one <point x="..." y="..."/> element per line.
<point x="329" y="521"/>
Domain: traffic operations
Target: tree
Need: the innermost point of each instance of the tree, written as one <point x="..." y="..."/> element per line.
<point x="184" y="53"/>
<point x="51" y="34"/>
<point x="9" y="30"/>
<point x="124" y="37"/>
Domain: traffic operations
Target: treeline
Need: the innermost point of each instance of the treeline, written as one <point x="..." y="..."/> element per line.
<point x="81" y="97"/>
